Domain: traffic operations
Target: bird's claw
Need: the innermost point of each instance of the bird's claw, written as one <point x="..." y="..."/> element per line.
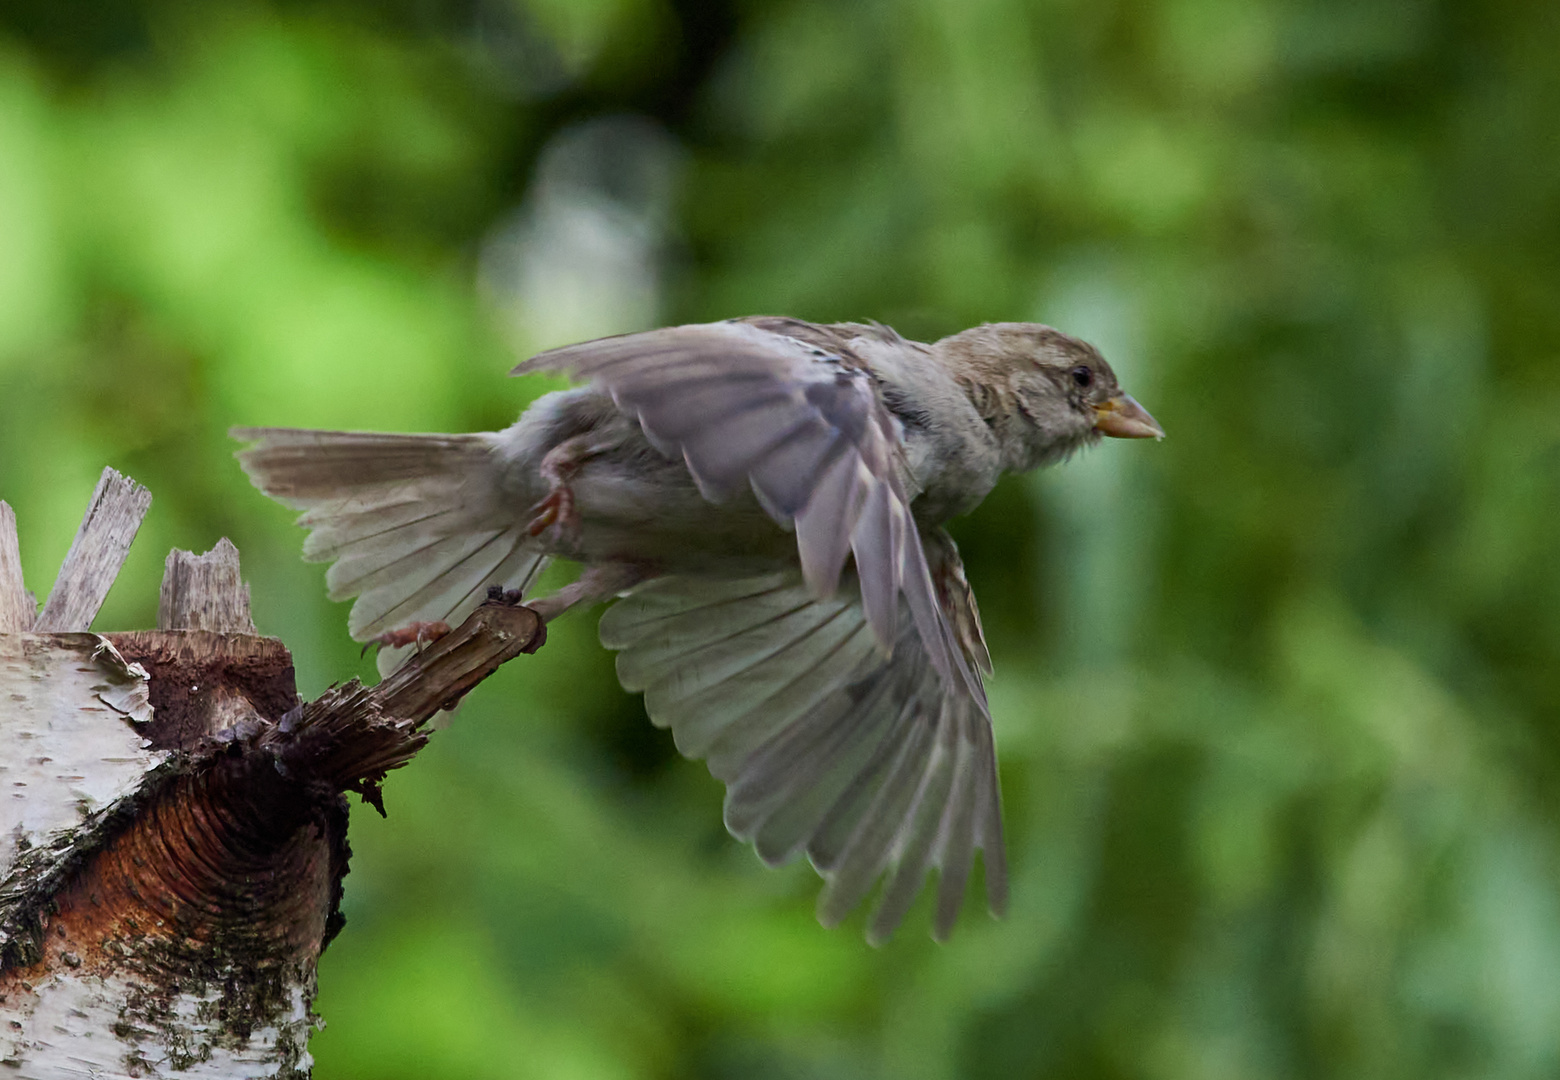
<point x="556" y="511"/>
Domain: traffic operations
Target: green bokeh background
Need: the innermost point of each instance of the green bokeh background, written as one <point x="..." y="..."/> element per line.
<point x="1276" y="699"/>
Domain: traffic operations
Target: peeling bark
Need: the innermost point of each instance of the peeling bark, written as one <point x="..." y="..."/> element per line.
<point x="173" y="828"/>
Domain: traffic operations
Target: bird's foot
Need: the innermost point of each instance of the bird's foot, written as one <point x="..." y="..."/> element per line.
<point x="561" y="465"/>
<point x="557" y="512"/>
<point x="417" y="633"/>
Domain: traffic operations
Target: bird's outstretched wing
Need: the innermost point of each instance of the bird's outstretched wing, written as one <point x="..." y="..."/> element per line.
<point x="785" y="407"/>
<point x="876" y="767"/>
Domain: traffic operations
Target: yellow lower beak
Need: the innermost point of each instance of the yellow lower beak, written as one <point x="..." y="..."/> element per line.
<point x="1123" y="418"/>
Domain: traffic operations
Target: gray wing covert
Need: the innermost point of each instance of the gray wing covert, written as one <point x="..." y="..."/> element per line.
<point x="876" y="767"/>
<point x="804" y="428"/>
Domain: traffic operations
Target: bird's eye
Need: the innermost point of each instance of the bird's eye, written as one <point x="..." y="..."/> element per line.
<point x="1082" y="376"/>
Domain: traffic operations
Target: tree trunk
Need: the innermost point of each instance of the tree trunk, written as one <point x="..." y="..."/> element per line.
<point x="172" y="819"/>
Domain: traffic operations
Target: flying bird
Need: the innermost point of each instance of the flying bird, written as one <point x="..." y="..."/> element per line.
<point x="765" y="499"/>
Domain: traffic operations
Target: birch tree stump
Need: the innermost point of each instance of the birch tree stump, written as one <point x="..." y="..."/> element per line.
<point x="172" y="819"/>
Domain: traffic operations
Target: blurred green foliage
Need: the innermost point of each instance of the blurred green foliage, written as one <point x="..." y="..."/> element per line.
<point x="1276" y="700"/>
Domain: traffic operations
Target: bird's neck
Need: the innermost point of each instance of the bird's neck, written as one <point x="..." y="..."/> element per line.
<point x="984" y="379"/>
<point x="951" y="454"/>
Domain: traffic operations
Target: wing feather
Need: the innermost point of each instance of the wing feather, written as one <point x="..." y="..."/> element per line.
<point x="957" y="840"/>
<point x="825" y="530"/>
<point x="872" y="764"/>
<point x="869" y="849"/>
<point x="918" y="835"/>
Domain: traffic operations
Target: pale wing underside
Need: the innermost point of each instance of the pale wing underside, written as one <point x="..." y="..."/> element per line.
<point x="804" y="428"/>
<point x="873" y="766"/>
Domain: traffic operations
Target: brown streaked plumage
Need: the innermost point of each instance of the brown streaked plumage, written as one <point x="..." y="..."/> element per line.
<point x="766" y="498"/>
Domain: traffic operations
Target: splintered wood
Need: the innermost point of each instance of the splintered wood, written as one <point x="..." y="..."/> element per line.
<point x="113" y="517"/>
<point x="204" y="592"/>
<point x="172" y="828"/>
<point x="17" y="607"/>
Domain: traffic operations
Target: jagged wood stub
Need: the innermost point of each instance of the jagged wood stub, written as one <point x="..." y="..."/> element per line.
<point x="17" y="608"/>
<point x="204" y="592"/>
<point x="112" y="519"/>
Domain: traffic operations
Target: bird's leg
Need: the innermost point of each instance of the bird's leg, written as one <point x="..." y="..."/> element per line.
<point x="561" y="465"/>
<point x="595" y="584"/>
<point x="417" y="633"/>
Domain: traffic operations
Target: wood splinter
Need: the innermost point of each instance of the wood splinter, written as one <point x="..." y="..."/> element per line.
<point x="18" y="608"/>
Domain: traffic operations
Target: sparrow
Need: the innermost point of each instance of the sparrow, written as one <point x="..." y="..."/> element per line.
<point x="764" y="499"/>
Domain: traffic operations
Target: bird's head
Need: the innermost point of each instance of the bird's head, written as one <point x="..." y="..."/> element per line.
<point x="1044" y="393"/>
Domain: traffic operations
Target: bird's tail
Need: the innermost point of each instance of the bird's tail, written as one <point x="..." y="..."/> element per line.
<point x="417" y="527"/>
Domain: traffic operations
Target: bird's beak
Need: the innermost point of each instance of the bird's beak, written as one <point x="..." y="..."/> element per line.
<point x="1123" y="418"/>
